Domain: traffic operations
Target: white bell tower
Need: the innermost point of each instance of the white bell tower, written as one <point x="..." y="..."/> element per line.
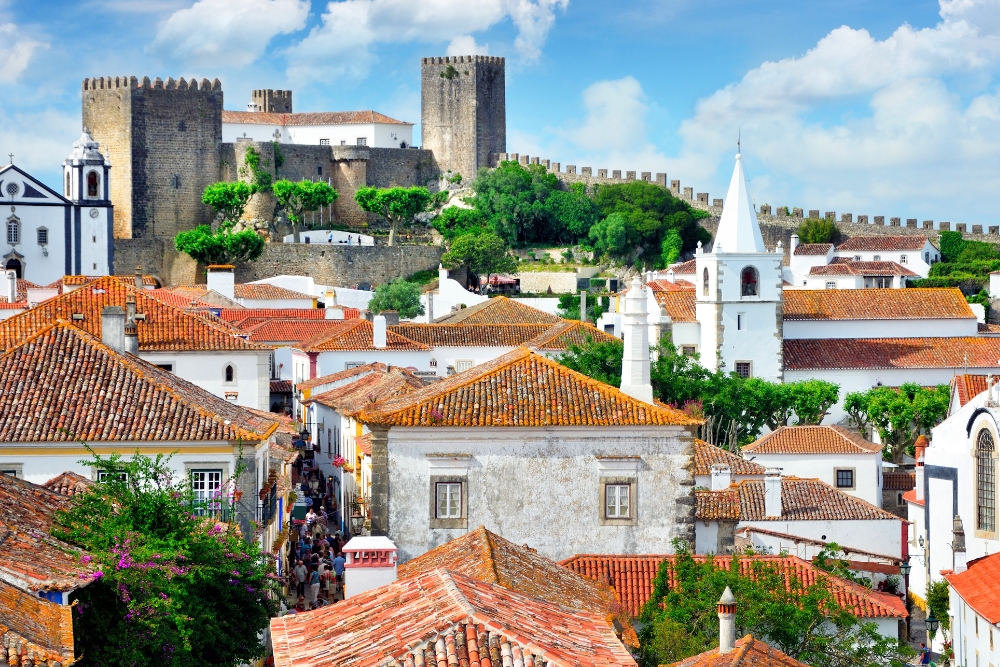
<point x="739" y="299"/>
<point x="86" y="184"/>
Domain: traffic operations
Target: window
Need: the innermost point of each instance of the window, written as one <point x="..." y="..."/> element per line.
<point x="831" y="284"/>
<point x="985" y="482"/>
<point x="43" y="236"/>
<point x="902" y="259"/>
<point x="362" y="141"/>
<point x="319" y="171"/>
<point x="206" y="484"/>
<point x="324" y="142"/>
<point x="927" y="258"/>
<point x="741" y="321"/>
<point x="449" y="500"/>
<point x="93" y="239"/>
<point x="329" y="442"/>
<point x="13" y="231"/>
<point x="12" y="469"/>
<point x="270" y="364"/>
<point x="704" y="283"/>
<point x="353" y="364"/>
<point x="743" y="369"/>
<point x="857" y="258"/>
<point x="845" y="478"/>
<point x="343" y="142"/>
<point x="175" y="181"/>
<point x="877" y="258"/>
<point x="748" y="281"/>
<point x="92" y="184"/>
<point x="230" y="373"/>
<point x="617" y="503"/>
<point x="463" y="365"/>
<point x="689" y="350"/>
<point x="166" y="367"/>
<point x="103" y="475"/>
<point x="899" y="499"/>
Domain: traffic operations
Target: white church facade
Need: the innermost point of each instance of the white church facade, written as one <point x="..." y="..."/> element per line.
<point x="48" y="235"/>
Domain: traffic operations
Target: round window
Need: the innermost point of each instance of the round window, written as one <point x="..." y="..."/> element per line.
<point x="12" y="189"/>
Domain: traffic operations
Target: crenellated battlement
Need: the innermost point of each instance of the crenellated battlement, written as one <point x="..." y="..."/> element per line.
<point x="120" y="82"/>
<point x="780" y="215"/>
<point x="455" y="60"/>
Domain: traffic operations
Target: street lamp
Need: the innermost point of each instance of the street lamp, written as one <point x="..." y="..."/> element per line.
<point x="932" y="626"/>
<point x="357" y="522"/>
<point x="905" y="567"/>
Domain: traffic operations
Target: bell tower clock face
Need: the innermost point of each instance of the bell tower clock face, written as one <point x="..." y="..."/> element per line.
<point x="94" y="213"/>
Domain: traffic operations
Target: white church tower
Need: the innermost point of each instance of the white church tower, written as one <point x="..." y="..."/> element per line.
<point x="86" y="183"/>
<point x="739" y="292"/>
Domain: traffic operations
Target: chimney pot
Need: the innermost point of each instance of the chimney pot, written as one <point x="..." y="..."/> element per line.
<point x="722" y="476"/>
<point x="727" y="621"/>
<point x="371" y="563"/>
<point x="113" y="327"/>
<point x="11" y="285"/>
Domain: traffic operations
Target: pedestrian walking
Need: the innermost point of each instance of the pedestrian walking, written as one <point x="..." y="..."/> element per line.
<point x="314" y="581"/>
<point x="300" y="573"/>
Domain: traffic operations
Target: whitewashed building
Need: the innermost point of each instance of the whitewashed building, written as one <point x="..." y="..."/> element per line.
<point x="975" y="612"/>
<point x="336" y="128"/>
<point x="860" y="262"/>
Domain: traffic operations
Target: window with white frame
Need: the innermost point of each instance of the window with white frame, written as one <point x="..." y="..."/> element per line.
<point x="830" y="284"/>
<point x="902" y="259"/>
<point x="324" y="142"/>
<point x="449" y="500"/>
<point x="986" y="474"/>
<point x="205" y="485"/>
<point x="362" y="141"/>
<point x="43" y="236"/>
<point x="103" y="475"/>
<point x="463" y="364"/>
<point x="744" y="369"/>
<point x="618" y="501"/>
<point x="689" y="350"/>
<point x="13" y="231"/>
<point x="857" y="258"/>
<point x="877" y="258"/>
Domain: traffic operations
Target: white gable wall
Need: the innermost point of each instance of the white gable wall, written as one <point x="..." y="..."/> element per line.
<point x="867" y="470"/>
<point x="916" y="328"/>
<point x="208" y="371"/>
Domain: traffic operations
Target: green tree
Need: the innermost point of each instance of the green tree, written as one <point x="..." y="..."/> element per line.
<point x="221" y="246"/>
<point x="228" y="200"/>
<point x="571" y="214"/>
<point x="300" y="198"/>
<point x="170" y="587"/>
<point x="601" y="360"/>
<point x="455" y="221"/>
<point x="609" y="235"/>
<point x="569" y="307"/>
<point x="670" y="249"/>
<point x="400" y="296"/>
<point x="483" y="253"/>
<point x="898" y="415"/>
<point x="939" y="601"/>
<point x="812" y="230"/>
<point x="397" y="205"/>
<point x="512" y="198"/>
<point x="804" y="621"/>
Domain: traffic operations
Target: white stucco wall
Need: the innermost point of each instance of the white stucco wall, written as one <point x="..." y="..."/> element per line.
<point x="923" y="328"/>
<point x="334" y="362"/>
<point x="882" y="536"/>
<point x="277" y="303"/>
<point x="208" y="371"/>
<point x="381" y="135"/>
<point x="977" y="642"/>
<point x="839" y="282"/>
<point x="449" y="356"/>
<point x="867" y="470"/>
<point x="914" y="259"/>
<point x="525" y="483"/>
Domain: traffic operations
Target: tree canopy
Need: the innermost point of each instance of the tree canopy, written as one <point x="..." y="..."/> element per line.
<point x="228" y="200"/>
<point x="397" y="205"/>
<point x="483" y="253"/>
<point x="299" y="198"/>
<point x="813" y="230"/>
<point x="898" y="414"/>
<point x="221" y="246"/>
<point x="965" y="264"/>
<point x="399" y="295"/>
<point x="171" y="587"/>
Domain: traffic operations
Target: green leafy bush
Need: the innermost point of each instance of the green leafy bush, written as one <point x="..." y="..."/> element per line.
<point x="399" y="295"/>
<point x="397" y="205"/>
<point x="221" y="246"/>
<point x="813" y="230"/>
<point x="483" y="253"/>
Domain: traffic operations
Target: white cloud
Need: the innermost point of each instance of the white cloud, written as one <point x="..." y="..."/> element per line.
<point x="465" y="45"/>
<point x="16" y="50"/>
<point x="40" y="141"/>
<point x="231" y="33"/>
<point x="342" y="45"/>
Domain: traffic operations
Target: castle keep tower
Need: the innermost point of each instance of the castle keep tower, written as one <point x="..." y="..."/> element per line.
<point x="463" y="111"/>
<point x="271" y="101"/>
<point x="163" y="141"/>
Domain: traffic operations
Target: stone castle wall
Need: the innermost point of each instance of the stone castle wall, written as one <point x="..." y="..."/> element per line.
<point x="340" y="265"/>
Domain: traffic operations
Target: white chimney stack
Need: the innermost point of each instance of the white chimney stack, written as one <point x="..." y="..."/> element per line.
<point x="772" y="492"/>
<point x="371" y="563"/>
<point x="794" y="244"/>
<point x="671" y="277"/>
<point x="430" y="307"/>
<point x="378" y="332"/>
<point x="332" y="310"/>
<point x="722" y="476"/>
<point x="222" y="280"/>
<point x="442" y="275"/>
<point x="113" y="327"/>
<point x="10" y="285"/>
<point x="919" y="450"/>
<point x="635" y="360"/>
<point x="727" y="621"/>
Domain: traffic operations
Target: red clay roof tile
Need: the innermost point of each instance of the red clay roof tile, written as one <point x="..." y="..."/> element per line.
<point x="979" y="586"/>
<point x="876" y="304"/>
<point x="883" y="243"/>
<point x="813" y="248"/>
<point x="801" y="500"/>
<point x="812" y="440"/>
<point x="499" y="310"/>
<point x="68" y="483"/>
<point x="968" y="387"/>
<point x="849" y="353"/>
<point x="705" y="454"/>
<point x="358" y="335"/>
<point x="315" y="118"/>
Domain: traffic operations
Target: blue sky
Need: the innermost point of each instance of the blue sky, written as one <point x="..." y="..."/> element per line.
<point x="884" y="108"/>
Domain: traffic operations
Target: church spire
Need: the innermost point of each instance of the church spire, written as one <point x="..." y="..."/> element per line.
<point x="738" y="228"/>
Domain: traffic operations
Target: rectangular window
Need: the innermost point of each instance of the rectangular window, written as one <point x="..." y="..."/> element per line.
<point x="617" y="501"/>
<point x="902" y="259"/>
<point x="689" y="350"/>
<point x="362" y="141"/>
<point x="877" y="258"/>
<point x="166" y="367"/>
<point x="13" y="232"/>
<point x="463" y="365"/>
<point x="324" y="142"/>
<point x="857" y="258"/>
<point x="353" y="364"/>
<point x="206" y="484"/>
<point x="845" y="479"/>
<point x="449" y="500"/>
<point x="343" y="142"/>
<point x="740" y="321"/>
<point x="270" y="363"/>
<point x="12" y="469"/>
<point x="43" y="236"/>
<point x="102" y="475"/>
<point x="831" y="285"/>
<point x="319" y="172"/>
<point x="743" y="369"/>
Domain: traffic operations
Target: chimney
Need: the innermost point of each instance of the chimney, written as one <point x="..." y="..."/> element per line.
<point x="958" y="545"/>
<point x="378" y="332"/>
<point x="430" y="308"/>
<point x="722" y="476"/>
<point x="794" y="244"/>
<point x="671" y="277"/>
<point x="727" y="621"/>
<point x="332" y="310"/>
<point x="442" y="275"/>
<point x="919" y="448"/>
<point x="635" y="360"/>
<point x="131" y="328"/>
<point x="583" y="305"/>
<point x="10" y="285"/>
<point x="222" y="280"/>
<point x="139" y="284"/>
<point x="113" y="327"/>
<point x="772" y="492"/>
<point x="371" y="563"/>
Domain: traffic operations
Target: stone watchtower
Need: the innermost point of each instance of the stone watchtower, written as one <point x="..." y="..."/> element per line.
<point x="463" y="115"/>
<point x="271" y="101"/>
<point x="163" y="141"/>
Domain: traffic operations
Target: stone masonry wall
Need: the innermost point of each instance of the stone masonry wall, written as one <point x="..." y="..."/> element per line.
<point x="340" y="265"/>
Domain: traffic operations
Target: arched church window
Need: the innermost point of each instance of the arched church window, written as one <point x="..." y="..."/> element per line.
<point x="15" y="266"/>
<point x="230" y="373"/>
<point x="13" y="231"/>
<point x="704" y="283"/>
<point x="986" y="473"/>
<point x="748" y="281"/>
<point x="92" y="183"/>
<point x="68" y="188"/>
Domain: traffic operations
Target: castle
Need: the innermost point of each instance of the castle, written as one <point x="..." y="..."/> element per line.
<point x="165" y="141"/>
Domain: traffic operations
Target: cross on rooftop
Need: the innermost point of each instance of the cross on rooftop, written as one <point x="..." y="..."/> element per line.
<point x="11" y="155"/>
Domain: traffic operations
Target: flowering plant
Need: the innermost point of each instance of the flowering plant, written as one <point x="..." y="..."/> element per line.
<point x="339" y="461"/>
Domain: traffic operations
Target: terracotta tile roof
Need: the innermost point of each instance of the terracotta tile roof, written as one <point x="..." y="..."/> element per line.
<point x="177" y="299"/>
<point x="286" y="424"/>
<point x="884" y="243"/>
<point x="812" y="440"/>
<point x="357" y="335"/>
<point x="340" y="376"/>
<point x="985" y="328"/>
<point x="281" y="386"/>
<point x="968" y="387"/>
<point x="877" y="304"/>
<point x="21" y="288"/>
<point x="236" y="315"/>
<point x="801" y="500"/>
<point x="68" y="483"/>
<point x="689" y="266"/>
<point x="851" y="353"/>
<point x="379" y="385"/>
<point x="862" y="269"/>
<point x="899" y="481"/>
<point x="499" y="310"/>
<point x="813" y="248"/>
<point x="632" y="577"/>
<point x="705" y="454"/>
<point x="486" y="556"/>
<point x="979" y="586"/>
<point x="364" y="443"/>
<point x="445" y="618"/>
<point x="320" y="118"/>
<point x="30" y="558"/>
<point x="839" y="269"/>
<point x="664" y="285"/>
<point x="471" y="335"/>
<point x="911" y="497"/>
<point x="289" y="330"/>
<point x="165" y="328"/>
<point x="266" y="292"/>
<point x="78" y="281"/>
<point x="680" y="306"/>
<point x="61" y="384"/>
<point x="521" y="388"/>
<point x="559" y="337"/>
<point x="747" y="652"/>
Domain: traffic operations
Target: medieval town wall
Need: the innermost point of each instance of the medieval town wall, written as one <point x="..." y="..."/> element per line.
<point x="341" y="265"/>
